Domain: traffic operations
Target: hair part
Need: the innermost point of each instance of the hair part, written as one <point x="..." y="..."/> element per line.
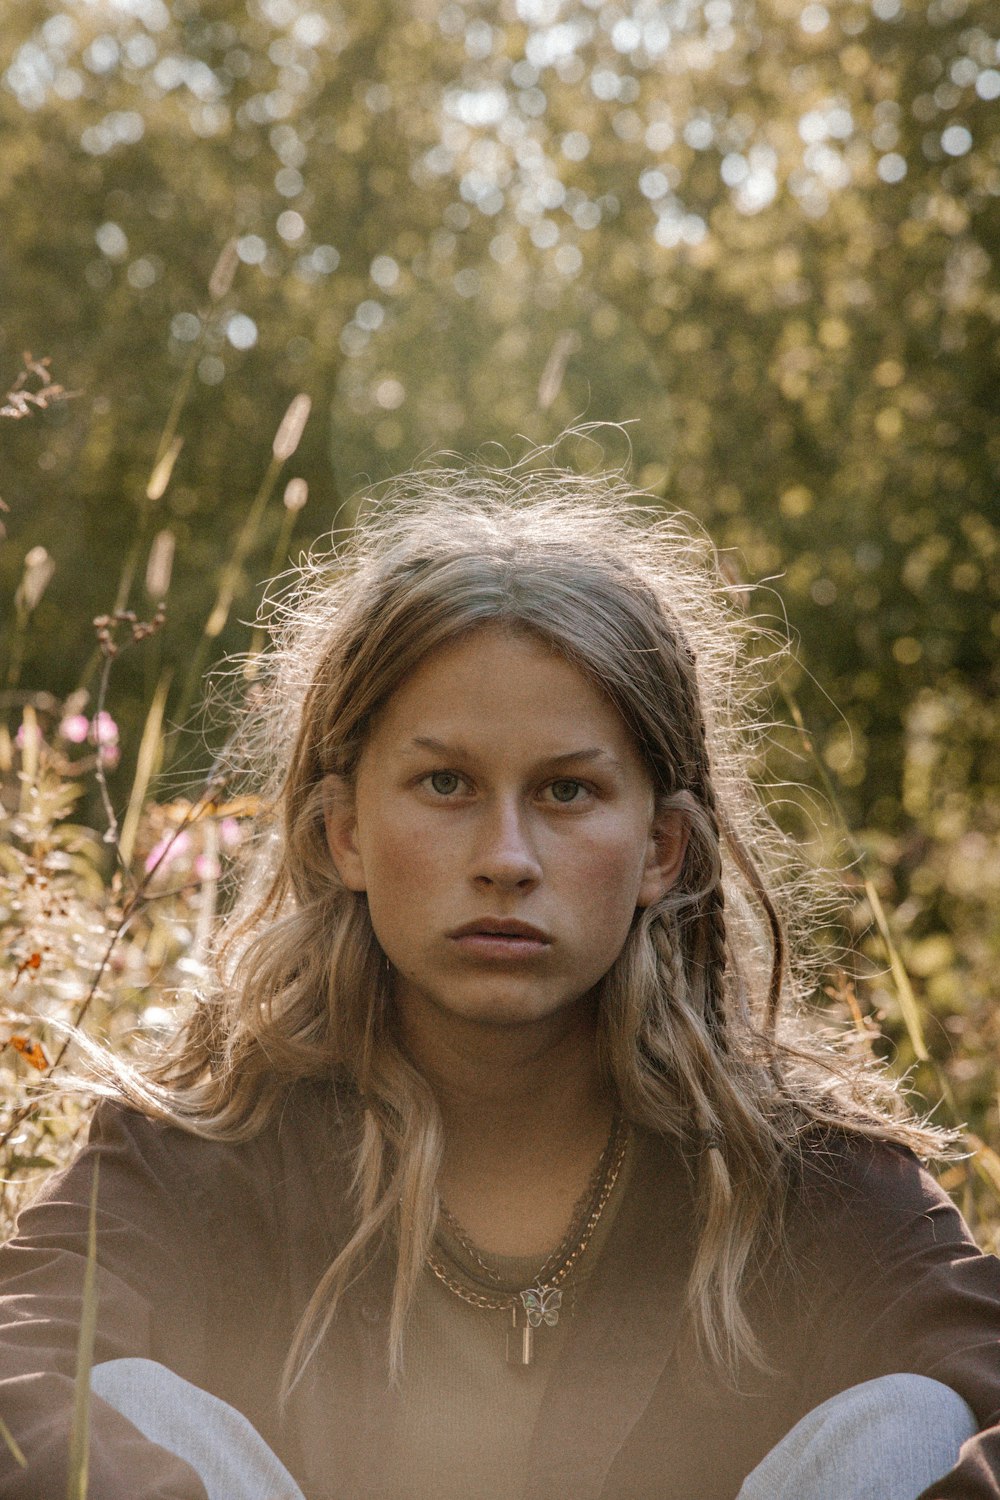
<point x="700" y="1031"/>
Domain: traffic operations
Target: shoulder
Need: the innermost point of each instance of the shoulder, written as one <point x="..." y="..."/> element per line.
<point x="850" y="1168"/>
<point x="852" y="1199"/>
<point x="186" y="1173"/>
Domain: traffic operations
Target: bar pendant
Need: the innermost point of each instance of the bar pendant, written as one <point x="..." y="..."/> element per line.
<point x="520" y="1342"/>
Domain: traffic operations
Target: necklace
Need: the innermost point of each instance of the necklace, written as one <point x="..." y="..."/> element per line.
<point x="541" y="1301"/>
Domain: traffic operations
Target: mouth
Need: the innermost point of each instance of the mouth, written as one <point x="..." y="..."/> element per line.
<point x="500" y="937"/>
<point x="504" y="927"/>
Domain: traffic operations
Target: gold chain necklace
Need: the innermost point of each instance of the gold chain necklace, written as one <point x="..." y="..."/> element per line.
<point x="540" y="1302"/>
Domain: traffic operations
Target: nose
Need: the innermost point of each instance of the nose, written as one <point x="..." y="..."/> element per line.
<point x="505" y="855"/>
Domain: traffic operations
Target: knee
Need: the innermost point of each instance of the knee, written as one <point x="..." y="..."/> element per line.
<point x="910" y="1402"/>
<point x="889" y="1437"/>
<point x="123" y="1379"/>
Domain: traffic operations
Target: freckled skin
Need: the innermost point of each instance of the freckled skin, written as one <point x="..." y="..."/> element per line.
<point x="501" y="817"/>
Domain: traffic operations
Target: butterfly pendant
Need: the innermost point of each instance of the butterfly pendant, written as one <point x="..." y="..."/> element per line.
<point x="541" y="1305"/>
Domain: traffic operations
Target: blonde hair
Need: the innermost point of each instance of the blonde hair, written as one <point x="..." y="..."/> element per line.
<point x="699" y="1026"/>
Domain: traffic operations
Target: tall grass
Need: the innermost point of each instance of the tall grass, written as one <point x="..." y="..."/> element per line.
<point x="79" y="1433"/>
<point x="104" y="930"/>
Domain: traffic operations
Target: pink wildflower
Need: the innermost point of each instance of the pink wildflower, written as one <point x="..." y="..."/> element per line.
<point x="75" y="728"/>
<point x="109" y="756"/>
<point x="168" y="850"/>
<point x="230" y="834"/>
<point x="104" y="730"/>
<point x="207" y="867"/>
<point x="28" y="732"/>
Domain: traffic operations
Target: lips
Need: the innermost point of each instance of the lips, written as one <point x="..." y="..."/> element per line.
<point x="501" y="927"/>
<point x="500" y="940"/>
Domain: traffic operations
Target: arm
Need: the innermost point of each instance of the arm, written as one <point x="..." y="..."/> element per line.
<point x="147" y="1256"/>
<point x="905" y="1289"/>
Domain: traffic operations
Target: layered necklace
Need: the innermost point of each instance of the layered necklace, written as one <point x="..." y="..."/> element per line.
<point x="539" y="1303"/>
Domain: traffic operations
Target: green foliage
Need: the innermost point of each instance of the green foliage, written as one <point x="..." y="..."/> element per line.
<point x="91" y="946"/>
<point x="764" y="234"/>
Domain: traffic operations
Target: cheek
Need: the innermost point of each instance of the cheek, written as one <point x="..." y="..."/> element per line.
<point x="606" y="878"/>
<point x="401" y="859"/>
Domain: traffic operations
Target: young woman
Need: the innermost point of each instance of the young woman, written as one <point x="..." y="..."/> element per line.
<point x="497" y="1162"/>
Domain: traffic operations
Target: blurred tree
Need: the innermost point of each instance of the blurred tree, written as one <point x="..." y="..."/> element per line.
<point x="767" y="230"/>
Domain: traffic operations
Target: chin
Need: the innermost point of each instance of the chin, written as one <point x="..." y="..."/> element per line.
<point x="505" y="1009"/>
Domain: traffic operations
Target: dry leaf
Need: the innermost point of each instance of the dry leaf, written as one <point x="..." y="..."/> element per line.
<point x="32" y="1052"/>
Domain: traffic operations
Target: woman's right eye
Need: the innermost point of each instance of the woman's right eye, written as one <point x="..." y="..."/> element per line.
<point x="445" y="783"/>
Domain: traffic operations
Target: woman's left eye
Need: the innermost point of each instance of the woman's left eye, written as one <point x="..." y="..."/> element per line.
<point x="566" y="790"/>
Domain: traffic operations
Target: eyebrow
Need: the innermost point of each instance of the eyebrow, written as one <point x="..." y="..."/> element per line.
<point x="589" y="753"/>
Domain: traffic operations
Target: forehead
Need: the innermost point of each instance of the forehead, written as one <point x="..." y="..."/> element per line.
<point x="497" y="687"/>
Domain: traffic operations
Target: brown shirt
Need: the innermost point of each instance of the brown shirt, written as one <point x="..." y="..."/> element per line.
<point x="463" y="1413"/>
<point x="208" y="1254"/>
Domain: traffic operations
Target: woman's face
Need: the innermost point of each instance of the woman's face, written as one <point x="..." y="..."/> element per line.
<point x="503" y="828"/>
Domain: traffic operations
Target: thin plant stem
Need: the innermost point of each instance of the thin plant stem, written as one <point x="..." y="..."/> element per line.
<point x="166" y="443"/>
<point x="12" y="1445"/>
<point x="149" y="746"/>
<point x="229" y="583"/>
<point x="111" y="832"/>
<point x="169" y="445"/>
<point x="79" y="1437"/>
<point x="278" y="559"/>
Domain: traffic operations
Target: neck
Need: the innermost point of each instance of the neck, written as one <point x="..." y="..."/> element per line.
<point x="526" y="1115"/>
<point x="521" y="1079"/>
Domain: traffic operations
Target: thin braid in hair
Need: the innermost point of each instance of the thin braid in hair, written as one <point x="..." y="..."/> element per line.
<point x="715" y="934"/>
<point x="716" y="899"/>
<point x="714" y="904"/>
<point x="751" y="874"/>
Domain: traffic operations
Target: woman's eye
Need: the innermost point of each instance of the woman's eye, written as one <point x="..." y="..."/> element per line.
<point x="444" y="782"/>
<point x="566" y="790"/>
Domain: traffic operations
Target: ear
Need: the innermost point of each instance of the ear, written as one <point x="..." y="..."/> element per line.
<point x="341" y="824"/>
<point x="668" y="841"/>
